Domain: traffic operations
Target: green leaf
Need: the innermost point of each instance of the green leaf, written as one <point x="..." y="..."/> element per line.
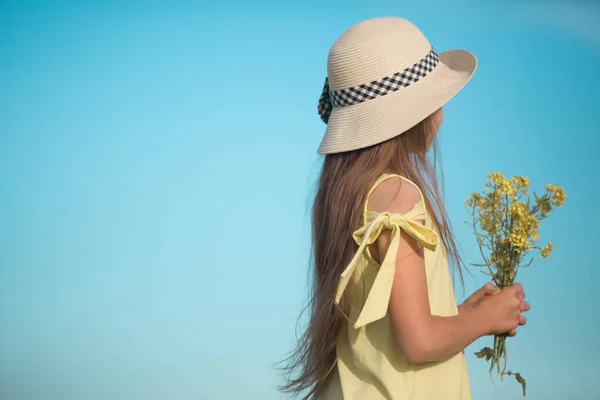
<point x="520" y="380"/>
<point x="486" y="353"/>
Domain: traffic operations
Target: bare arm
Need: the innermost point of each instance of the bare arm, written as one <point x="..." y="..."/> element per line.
<point x="423" y="337"/>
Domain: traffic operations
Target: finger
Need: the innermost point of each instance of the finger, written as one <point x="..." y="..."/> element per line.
<point x="525" y="306"/>
<point x="517" y="288"/>
<point x="494" y="289"/>
<point x="512" y="333"/>
<point x="522" y="320"/>
<point x="487" y="289"/>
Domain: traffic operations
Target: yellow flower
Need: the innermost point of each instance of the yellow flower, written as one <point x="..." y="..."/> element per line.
<point x="519" y="209"/>
<point x="547" y="249"/>
<point x="557" y="194"/>
<point x="508" y="188"/>
<point x="476" y="199"/>
<point x="544" y="205"/>
<point x="496" y="177"/>
<point x="506" y="224"/>
<point x="520" y="181"/>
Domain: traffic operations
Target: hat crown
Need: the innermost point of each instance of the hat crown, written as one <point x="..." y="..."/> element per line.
<point x="373" y="49"/>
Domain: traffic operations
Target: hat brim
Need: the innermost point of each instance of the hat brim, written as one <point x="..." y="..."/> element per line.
<point x="375" y="121"/>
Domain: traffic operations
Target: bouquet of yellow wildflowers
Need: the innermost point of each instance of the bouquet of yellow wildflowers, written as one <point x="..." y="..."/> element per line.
<point x="506" y="223"/>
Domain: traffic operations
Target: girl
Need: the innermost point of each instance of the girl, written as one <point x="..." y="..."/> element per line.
<point x="384" y="320"/>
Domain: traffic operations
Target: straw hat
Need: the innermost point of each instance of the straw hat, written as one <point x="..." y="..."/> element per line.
<point x="384" y="78"/>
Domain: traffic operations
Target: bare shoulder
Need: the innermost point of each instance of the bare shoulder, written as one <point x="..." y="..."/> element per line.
<point x="394" y="195"/>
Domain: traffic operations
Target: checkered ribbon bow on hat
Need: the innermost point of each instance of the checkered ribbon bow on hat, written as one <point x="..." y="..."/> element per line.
<point x="376" y="88"/>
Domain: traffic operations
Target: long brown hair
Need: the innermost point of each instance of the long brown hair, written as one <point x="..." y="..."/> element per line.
<point x="343" y="185"/>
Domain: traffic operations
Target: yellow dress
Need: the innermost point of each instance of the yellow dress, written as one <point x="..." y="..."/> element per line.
<point x="369" y="364"/>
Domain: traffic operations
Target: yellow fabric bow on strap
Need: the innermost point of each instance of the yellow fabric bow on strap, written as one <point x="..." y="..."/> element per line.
<point x="376" y="304"/>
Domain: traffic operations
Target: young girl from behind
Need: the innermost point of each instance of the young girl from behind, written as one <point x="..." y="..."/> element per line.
<point x="384" y="320"/>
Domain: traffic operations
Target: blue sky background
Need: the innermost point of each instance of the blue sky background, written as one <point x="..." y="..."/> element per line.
<point x="156" y="162"/>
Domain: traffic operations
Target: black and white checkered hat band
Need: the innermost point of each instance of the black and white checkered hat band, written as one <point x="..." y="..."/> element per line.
<point x="376" y="88"/>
